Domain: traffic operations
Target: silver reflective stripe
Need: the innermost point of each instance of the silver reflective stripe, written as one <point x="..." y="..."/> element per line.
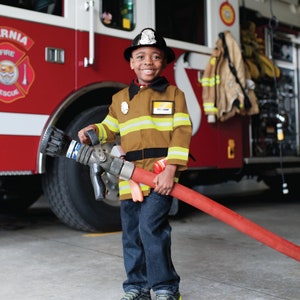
<point x="22" y="124"/>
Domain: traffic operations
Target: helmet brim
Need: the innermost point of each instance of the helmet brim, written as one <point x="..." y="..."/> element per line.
<point x="169" y="53"/>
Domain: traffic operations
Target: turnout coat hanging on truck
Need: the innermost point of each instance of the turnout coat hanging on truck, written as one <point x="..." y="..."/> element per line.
<point x="227" y="87"/>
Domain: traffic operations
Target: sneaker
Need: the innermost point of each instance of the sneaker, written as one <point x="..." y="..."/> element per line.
<point x="136" y="295"/>
<point x="177" y="296"/>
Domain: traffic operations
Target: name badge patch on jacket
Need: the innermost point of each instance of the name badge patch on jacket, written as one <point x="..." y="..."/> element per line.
<point x="162" y="107"/>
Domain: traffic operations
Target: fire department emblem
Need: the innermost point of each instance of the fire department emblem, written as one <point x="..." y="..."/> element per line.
<point x="227" y="13"/>
<point x="16" y="73"/>
<point x="124" y="107"/>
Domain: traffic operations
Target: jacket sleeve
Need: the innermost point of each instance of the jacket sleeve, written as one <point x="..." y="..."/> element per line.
<point x="210" y="82"/>
<point x="109" y="127"/>
<point x="178" y="151"/>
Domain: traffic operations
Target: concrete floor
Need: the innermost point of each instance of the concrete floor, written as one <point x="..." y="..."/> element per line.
<point x="41" y="259"/>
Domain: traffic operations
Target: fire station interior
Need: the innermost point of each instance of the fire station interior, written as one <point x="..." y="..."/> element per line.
<point x="214" y="261"/>
<point x="277" y="95"/>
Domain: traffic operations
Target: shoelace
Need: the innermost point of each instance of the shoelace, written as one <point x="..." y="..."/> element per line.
<point x="130" y="296"/>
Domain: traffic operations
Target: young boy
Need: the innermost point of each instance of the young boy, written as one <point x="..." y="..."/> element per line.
<point x="153" y="122"/>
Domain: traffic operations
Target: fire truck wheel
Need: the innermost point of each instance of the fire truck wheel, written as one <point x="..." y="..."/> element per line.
<point x="68" y="188"/>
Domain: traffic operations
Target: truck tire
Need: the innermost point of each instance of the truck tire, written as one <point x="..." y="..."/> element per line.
<point x="68" y="188"/>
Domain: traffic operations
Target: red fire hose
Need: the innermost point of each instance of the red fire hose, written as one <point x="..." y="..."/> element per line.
<point x="56" y="143"/>
<point x="225" y="215"/>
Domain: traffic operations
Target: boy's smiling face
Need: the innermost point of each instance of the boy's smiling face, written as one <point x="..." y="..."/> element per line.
<point x="147" y="63"/>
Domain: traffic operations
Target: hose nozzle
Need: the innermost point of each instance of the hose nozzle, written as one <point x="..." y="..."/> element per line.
<point x="56" y="143"/>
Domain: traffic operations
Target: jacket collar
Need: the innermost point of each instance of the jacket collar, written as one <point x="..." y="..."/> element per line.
<point x="159" y="84"/>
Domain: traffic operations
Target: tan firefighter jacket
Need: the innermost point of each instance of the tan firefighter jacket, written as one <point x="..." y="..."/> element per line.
<point x="221" y="93"/>
<point x="153" y="123"/>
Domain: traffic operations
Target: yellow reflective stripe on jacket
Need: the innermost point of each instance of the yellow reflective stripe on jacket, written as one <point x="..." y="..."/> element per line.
<point x="181" y="119"/>
<point x="209" y="107"/>
<point x="111" y="123"/>
<point x="178" y="153"/>
<point x="210" y="81"/>
<point x="124" y="187"/>
<point x="102" y="133"/>
<point x="146" y="122"/>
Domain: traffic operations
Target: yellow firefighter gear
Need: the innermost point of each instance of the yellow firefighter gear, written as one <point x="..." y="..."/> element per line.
<point x="222" y="94"/>
<point x="149" y="120"/>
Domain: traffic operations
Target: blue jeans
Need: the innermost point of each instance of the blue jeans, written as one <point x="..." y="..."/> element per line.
<point x="147" y="244"/>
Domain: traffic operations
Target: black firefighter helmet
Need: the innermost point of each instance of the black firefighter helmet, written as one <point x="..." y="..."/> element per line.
<point x="149" y="38"/>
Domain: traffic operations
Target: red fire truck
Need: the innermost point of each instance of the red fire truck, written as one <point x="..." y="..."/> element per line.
<point x="61" y="61"/>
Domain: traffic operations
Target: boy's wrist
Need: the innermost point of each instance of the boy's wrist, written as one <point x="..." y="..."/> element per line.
<point x="171" y="168"/>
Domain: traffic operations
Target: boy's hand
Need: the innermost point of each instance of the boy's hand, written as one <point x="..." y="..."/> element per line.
<point x="82" y="136"/>
<point x="164" y="181"/>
